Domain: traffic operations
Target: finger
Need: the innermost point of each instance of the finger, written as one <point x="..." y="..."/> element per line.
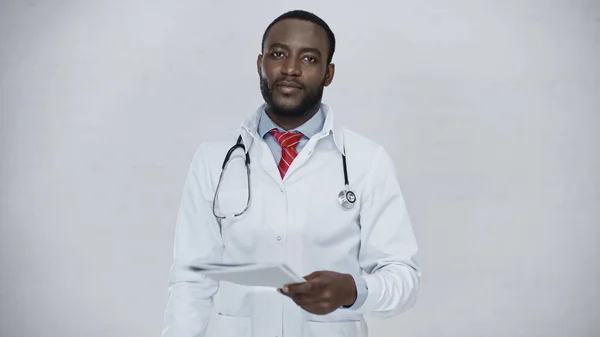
<point x="302" y="285"/>
<point x="300" y="298"/>
<point x="312" y="275"/>
<point x="299" y="288"/>
<point x="321" y="297"/>
<point x="318" y="308"/>
<point x="286" y="287"/>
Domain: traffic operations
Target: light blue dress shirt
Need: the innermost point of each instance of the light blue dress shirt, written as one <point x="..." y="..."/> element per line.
<point x="310" y="128"/>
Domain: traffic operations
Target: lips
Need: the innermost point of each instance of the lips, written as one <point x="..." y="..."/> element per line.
<point x="289" y="84"/>
<point x="288" y="87"/>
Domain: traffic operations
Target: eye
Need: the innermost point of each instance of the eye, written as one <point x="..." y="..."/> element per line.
<point x="277" y="54"/>
<point x="310" y="59"/>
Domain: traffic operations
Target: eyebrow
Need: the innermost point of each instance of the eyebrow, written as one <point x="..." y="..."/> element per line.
<point x="305" y="49"/>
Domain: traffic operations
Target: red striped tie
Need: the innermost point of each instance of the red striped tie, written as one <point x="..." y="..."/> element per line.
<point x="288" y="141"/>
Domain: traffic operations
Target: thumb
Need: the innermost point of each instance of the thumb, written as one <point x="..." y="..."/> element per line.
<point x="312" y="275"/>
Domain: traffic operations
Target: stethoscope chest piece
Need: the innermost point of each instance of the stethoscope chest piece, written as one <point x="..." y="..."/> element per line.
<point x="347" y="198"/>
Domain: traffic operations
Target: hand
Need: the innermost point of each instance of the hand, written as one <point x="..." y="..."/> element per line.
<point x="323" y="292"/>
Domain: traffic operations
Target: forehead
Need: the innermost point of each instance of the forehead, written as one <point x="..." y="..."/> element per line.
<point x="298" y="34"/>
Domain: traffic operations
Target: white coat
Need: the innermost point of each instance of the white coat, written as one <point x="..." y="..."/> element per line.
<point x="297" y="220"/>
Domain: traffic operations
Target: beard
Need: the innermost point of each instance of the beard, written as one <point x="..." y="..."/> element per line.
<point x="311" y="98"/>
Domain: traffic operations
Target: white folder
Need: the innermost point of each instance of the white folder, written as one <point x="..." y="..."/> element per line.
<point x="250" y="274"/>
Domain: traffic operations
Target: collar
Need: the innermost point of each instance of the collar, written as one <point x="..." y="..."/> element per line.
<point x="310" y="128"/>
<point x="249" y="128"/>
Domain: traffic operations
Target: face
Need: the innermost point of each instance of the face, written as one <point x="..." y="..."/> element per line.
<point x="293" y="69"/>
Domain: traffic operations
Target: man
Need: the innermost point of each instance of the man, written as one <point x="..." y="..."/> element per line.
<point x="357" y="260"/>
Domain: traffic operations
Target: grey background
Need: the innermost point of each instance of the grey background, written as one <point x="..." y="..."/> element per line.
<point x="489" y="108"/>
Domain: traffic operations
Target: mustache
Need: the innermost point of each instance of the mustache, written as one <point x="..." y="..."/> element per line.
<point x="289" y="83"/>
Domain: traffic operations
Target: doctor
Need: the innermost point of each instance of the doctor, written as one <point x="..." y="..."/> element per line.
<point x="304" y="191"/>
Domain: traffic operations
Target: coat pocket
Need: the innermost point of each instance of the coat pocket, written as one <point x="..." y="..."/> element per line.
<point x="336" y="329"/>
<point x="232" y="326"/>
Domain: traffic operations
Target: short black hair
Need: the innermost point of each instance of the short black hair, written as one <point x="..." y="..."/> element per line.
<point x="306" y="16"/>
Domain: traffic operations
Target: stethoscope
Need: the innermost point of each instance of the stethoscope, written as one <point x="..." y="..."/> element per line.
<point x="346" y="197"/>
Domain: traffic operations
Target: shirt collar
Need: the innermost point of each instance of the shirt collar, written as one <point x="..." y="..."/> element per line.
<point x="251" y="128"/>
<point x="310" y="128"/>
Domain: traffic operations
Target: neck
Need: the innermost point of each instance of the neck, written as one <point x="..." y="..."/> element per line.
<point x="291" y="122"/>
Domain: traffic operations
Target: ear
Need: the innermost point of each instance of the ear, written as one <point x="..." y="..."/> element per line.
<point x="259" y="64"/>
<point x="329" y="73"/>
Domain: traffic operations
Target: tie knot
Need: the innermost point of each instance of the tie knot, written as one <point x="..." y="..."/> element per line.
<point x="287" y="139"/>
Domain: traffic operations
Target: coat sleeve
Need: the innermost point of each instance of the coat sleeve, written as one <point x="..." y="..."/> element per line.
<point x="197" y="238"/>
<point x="388" y="244"/>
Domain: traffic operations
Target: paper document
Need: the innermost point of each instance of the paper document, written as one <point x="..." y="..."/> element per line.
<point x="250" y="274"/>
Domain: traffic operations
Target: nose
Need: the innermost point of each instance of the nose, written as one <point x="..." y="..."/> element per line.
<point x="291" y="67"/>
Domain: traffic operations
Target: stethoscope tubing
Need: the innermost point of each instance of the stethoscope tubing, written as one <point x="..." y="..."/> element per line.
<point x="347" y="197"/>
